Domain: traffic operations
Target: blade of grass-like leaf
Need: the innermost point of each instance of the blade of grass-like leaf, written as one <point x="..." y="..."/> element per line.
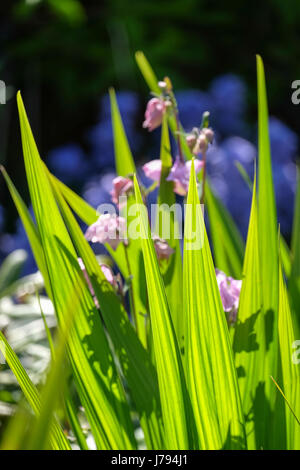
<point x="211" y="376"/>
<point x="249" y="341"/>
<point x="136" y="364"/>
<point x="16" y="432"/>
<point x="288" y="334"/>
<point x="97" y="381"/>
<point x="267" y="224"/>
<point x="241" y="169"/>
<point x="228" y="244"/>
<point x="69" y="404"/>
<point x="285" y="255"/>
<point x="57" y="438"/>
<point x="294" y="281"/>
<point x="11" y="268"/>
<point x="35" y="243"/>
<point x="123" y="156"/>
<point x="75" y="423"/>
<point x="168" y="361"/>
<point x="57" y="374"/>
<point x="86" y="212"/>
<point x="48" y="332"/>
<point x="147" y="72"/>
<point x="30" y="229"/>
<point x="167" y="227"/>
<point x="287" y="402"/>
<point x="296" y="231"/>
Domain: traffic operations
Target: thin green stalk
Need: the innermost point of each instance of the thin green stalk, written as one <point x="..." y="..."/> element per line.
<point x="131" y="295"/>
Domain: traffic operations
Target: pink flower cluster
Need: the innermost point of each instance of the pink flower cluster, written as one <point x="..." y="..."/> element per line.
<point x="109" y="228"/>
<point x="198" y="140"/>
<point x="179" y="173"/>
<point x="230" y="290"/>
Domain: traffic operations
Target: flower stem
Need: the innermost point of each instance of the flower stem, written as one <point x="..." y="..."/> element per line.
<point x="203" y="178"/>
<point x="131" y="296"/>
<point x="178" y="135"/>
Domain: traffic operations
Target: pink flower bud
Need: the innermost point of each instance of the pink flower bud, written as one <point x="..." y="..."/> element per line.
<point x="201" y="145"/>
<point x="108" y="273"/>
<point x="155" y="110"/>
<point x="163" y="250"/>
<point x="230" y="294"/>
<point x="191" y="140"/>
<point x="153" y="170"/>
<point x="121" y="187"/>
<point x="109" y="228"/>
<point x="209" y="134"/>
<point x="199" y="140"/>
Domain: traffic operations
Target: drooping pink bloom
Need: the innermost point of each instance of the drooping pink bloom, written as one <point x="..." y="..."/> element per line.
<point x="180" y="174"/>
<point x="162" y="248"/>
<point x="155" y="110"/>
<point x="109" y="228"/>
<point x="152" y="170"/>
<point x="121" y="187"/>
<point x="108" y="273"/>
<point x="230" y="294"/>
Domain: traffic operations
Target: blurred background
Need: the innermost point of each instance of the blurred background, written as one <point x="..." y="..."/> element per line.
<point x="64" y="54"/>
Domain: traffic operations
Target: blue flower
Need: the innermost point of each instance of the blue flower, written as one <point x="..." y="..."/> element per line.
<point x="227" y="180"/>
<point x="284" y="177"/>
<point x="100" y="136"/>
<point x="101" y="140"/>
<point x="228" y="93"/>
<point x="284" y="142"/>
<point x="128" y="103"/>
<point x="97" y="190"/>
<point x="191" y="106"/>
<point x="10" y="242"/>
<point x="68" y="163"/>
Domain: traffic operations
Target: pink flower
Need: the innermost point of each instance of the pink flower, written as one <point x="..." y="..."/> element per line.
<point x="153" y="169"/>
<point x="180" y="174"/>
<point x="109" y="228"/>
<point x="155" y="110"/>
<point x="108" y="273"/>
<point x="230" y="294"/>
<point x="121" y="186"/>
<point x="163" y="250"/>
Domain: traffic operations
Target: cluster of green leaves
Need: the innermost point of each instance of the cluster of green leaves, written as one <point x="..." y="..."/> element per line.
<point x="176" y="368"/>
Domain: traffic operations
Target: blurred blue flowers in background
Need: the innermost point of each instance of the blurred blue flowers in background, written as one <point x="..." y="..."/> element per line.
<point x="69" y="163"/>
<point x="229" y="97"/>
<point x="226" y="99"/>
<point x="100" y="137"/>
